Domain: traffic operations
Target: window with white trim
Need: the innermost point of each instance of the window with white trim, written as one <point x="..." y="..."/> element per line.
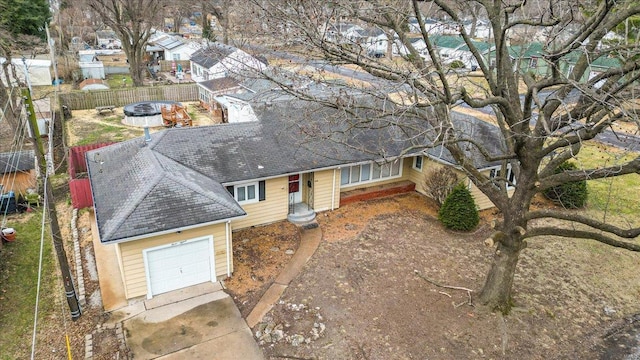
<point x="511" y="178"/>
<point x="369" y="172"/>
<point x="417" y="163"/>
<point x="247" y="193"/>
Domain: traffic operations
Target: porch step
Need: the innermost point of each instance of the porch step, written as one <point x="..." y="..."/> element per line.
<point x="301" y="214"/>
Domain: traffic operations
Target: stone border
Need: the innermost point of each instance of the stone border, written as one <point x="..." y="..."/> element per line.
<point x="78" y="259"/>
<point x="88" y="339"/>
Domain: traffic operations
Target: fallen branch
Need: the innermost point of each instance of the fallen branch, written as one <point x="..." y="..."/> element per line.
<point x="469" y="291"/>
<point x="443" y="293"/>
<point x="440" y="285"/>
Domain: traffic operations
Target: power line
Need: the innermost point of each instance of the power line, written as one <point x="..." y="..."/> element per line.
<point x="35" y="313"/>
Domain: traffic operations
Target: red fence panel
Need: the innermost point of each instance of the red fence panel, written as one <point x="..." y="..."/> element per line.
<point x="80" y="188"/>
<point x="80" y="193"/>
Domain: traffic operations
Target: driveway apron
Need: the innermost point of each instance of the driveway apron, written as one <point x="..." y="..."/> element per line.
<point x="208" y="326"/>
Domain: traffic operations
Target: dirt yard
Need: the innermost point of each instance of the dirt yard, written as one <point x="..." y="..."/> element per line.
<point x="89" y="127"/>
<point x="360" y="298"/>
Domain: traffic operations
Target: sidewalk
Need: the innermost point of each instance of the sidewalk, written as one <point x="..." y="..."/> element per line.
<point x="309" y="242"/>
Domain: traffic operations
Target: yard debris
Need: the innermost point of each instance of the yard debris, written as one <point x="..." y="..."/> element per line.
<point x="270" y="332"/>
<point x="469" y="291"/>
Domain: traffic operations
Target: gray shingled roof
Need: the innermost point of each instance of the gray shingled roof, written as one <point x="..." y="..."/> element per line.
<point x="220" y="84"/>
<point x="176" y="179"/>
<point x="209" y="56"/>
<point x="137" y="191"/>
<point x="17" y="161"/>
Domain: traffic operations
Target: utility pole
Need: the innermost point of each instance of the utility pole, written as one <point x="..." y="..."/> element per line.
<point x="69" y="287"/>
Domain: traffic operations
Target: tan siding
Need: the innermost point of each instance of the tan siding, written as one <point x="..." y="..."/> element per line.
<point x="322" y="190"/>
<point x="417" y="177"/>
<point x="273" y="208"/>
<point x="481" y="199"/>
<point x="428" y="165"/>
<point x="132" y="261"/>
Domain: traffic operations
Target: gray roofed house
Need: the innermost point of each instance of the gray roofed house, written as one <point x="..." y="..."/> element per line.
<point x="17" y="161"/>
<point x="180" y="194"/>
<point x="219" y="60"/>
<point x="18" y="171"/>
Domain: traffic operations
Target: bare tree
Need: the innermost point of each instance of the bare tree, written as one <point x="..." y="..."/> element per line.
<point x="133" y="21"/>
<point x="544" y="117"/>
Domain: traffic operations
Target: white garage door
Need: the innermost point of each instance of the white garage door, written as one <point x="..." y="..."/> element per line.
<point x="179" y="265"/>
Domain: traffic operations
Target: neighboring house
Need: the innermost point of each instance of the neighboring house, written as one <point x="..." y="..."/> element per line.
<point x="482" y="29"/>
<point x="417" y="43"/>
<point x="372" y="40"/>
<point x="93" y="84"/>
<point x="595" y="68"/>
<point x="454" y="48"/>
<point x="209" y="89"/>
<point x="169" y="203"/>
<point x="107" y="39"/>
<point x="342" y="33"/>
<point x="432" y="26"/>
<point x="171" y="48"/>
<point x="528" y="58"/>
<point x="218" y="60"/>
<point x="18" y="171"/>
<point x="39" y="71"/>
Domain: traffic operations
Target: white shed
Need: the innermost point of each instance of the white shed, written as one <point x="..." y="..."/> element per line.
<point x="39" y="70"/>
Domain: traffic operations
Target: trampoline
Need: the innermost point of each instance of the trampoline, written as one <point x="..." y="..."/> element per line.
<point x="146" y="113"/>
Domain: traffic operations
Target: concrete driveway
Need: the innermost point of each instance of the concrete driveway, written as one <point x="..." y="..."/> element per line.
<point x="207" y="326"/>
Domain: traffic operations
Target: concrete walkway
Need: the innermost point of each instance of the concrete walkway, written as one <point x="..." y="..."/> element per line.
<point x="309" y="242"/>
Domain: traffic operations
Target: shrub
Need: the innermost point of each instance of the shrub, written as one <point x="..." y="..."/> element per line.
<point x="459" y="211"/>
<point x="439" y="183"/>
<point x="571" y="195"/>
<point x="457" y="64"/>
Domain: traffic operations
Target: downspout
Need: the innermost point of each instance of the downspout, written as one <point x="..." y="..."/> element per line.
<point x="333" y="191"/>
<point x="227" y="227"/>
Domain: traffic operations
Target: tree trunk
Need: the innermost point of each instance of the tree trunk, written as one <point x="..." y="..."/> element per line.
<point x="136" y="69"/>
<point x="496" y="293"/>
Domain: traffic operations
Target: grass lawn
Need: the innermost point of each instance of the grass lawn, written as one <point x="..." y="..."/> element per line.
<point x="103" y="131"/>
<point x="611" y="197"/>
<point x="115" y="81"/>
<point x="18" y="283"/>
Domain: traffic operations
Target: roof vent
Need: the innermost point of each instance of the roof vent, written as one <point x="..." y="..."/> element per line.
<point x="147" y="135"/>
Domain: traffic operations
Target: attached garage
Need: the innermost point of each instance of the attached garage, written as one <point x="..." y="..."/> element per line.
<point x="179" y="265"/>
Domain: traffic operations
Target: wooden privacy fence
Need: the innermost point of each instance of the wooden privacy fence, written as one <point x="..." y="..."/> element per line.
<point x="79" y="182"/>
<point x="81" y="100"/>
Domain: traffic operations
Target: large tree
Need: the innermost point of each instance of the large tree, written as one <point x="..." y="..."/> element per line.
<point x="545" y="115"/>
<point x="134" y="22"/>
<point x="25" y="17"/>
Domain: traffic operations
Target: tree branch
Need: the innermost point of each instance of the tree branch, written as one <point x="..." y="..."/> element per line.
<point x="589" y="235"/>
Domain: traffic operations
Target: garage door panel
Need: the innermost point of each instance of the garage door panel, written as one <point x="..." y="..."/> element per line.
<point x="180" y="265"/>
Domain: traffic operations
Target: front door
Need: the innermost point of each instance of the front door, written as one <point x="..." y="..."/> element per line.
<point x="295" y="190"/>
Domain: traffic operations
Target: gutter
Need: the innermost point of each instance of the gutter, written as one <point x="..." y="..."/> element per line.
<point x="175" y="230"/>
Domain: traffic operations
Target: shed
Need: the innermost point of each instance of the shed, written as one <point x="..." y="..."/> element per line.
<point x="18" y="171"/>
<point x="39" y="70"/>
